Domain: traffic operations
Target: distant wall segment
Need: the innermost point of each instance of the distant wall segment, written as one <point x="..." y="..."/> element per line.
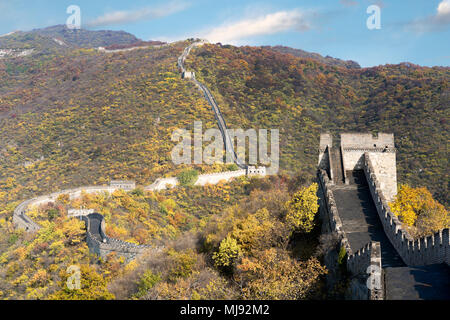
<point x="103" y="248"/>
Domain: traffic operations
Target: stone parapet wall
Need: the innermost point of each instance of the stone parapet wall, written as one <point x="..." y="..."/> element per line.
<point x="367" y="262"/>
<point x="203" y="179"/>
<point x="357" y="140"/>
<point x="22" y="221"/>
<point x="332" y="215"/>
<point x="363" y="262"/>
<point x="344" y="172"/>
<point x="128" y="250"/>
<point x="424" y="251"/>
<point x="109" y="245"/>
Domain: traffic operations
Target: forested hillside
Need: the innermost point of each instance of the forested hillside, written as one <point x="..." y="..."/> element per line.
<point x="85" y="118"/>
<point x="72" y="116"/>
<point x="260" y="88"/>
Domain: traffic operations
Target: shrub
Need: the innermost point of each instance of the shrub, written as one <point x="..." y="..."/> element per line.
<point x="52" y="214"/>
<point x="188" y="177"/>
<point x="273" y="275"/>
<point x="183" y="264"/>
<point x="416" y="208"/>
<point x="147" y="281"/>
<point x="138" y="192"/>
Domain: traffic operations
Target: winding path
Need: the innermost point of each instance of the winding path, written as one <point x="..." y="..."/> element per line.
<point x="96" y="236"/>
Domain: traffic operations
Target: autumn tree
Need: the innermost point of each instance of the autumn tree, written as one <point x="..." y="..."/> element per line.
<point x="93" y="287"/>
<point x="273" y="275"/>
<point x="229" y="251"/>
<point x="302" y="209"/>
<point x="417" y="209"/>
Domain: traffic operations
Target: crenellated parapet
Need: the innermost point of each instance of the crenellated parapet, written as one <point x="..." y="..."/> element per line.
<point x="424" y="251"/>
<point x="366" y="262"/>
<point x="332" y="215"/>
<point x="100" y="244"/>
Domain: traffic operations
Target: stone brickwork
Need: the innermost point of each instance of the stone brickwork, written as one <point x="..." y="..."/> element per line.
<point x="108" y="245"/>
<point x="424" y="251"/>
<point x="203" y="179"/>
<point x="79" y="212"/>
<point x="376" y="156"/>
<point x="382" y="151"/>
<point x="188" y="75"/>
<point x="331" y="213"/>
<point x="124" y="185"/>
<point x="326" y="142"/>
<point x="357" y="263"/>
<point x="228" y="141"/>
<point x="22" y="221"/>
<point x="254" y="171"/>
<point x="367" y="263"/>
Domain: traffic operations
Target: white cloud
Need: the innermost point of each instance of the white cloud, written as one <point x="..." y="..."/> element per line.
<point x="443" y="8"/>
<point x="434" y="22"/>
<point x="148" y="13"/>
<point x="262" y="25"/>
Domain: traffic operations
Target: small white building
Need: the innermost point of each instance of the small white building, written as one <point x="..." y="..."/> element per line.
<point x="188" y="75"/>
<point x="79" y="212"/>
<point x="124" y="185"/>
<point x="253" y="171"/>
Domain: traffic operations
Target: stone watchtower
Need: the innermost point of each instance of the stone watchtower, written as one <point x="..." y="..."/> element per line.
<point x="347" y="155"/>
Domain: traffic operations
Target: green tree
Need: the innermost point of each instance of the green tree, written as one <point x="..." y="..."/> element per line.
<point x="147" y="281"/>
<point x="52" y="214"/>
<point x="229" y="251"/>
<point x="302" y="209"/>
<point x="273" y="275"/>
<point x="188" y="177"/>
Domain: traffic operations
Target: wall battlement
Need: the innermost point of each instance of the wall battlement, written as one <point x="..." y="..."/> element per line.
<point x="367" y="262"/>
<point x="331" y="212"/>
<point x="358" y="263"/>
<point x="376" y="156"/>
<point x="424" y="251"/>
<point x="109" y="245"/>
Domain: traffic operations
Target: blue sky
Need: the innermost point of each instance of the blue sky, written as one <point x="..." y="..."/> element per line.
<point x="416" y="31"/>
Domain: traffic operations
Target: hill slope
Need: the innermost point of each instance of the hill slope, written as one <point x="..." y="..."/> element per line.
<point x="87" y="38"/>
<point x="304" y="54"/>
<point x="260" y="88"/>
<point x="80" y="117"/>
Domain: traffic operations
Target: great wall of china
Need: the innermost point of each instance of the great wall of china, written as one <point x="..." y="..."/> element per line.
<point x="357" y="180"/>
<point x="96" y="238"/>
<point x="189" y="75"/>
